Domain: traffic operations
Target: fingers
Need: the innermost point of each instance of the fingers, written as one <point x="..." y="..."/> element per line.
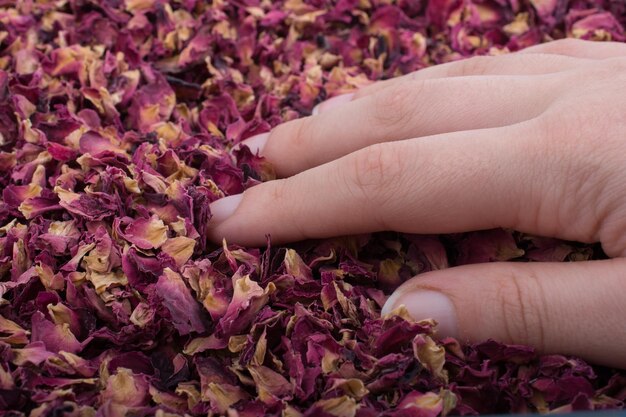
<point x="578" y="48"/>
<point x="549" y="57"/>
<point x="567" y="308"/>
<point x="510" y="64"/>
<point x="447" y="183"/>
<point x="410" y="109"/>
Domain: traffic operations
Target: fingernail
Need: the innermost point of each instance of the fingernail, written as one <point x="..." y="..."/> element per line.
<point x="256" y="143"/>
<point x="332" y="102"/>
<point x="224" y="207"/>
<point x="427" y="305"/>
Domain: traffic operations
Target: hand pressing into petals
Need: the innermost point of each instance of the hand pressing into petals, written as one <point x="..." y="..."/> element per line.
<point x="533" y="141"/>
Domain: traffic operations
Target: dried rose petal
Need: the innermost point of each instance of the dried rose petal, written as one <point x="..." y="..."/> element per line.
<point x="118" y="121"/>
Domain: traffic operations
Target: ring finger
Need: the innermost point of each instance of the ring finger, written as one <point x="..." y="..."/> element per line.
<point x="509" y="64"/>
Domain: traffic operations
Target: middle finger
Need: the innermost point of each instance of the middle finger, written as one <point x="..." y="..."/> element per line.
<point x="412" y="109"/>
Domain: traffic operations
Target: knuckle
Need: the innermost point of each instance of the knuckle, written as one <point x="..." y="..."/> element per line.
<point x="298" y="136"/>
<point x="298" y="133"/>
<point x="477" y="65"/>
<point x="559" y="129"/>
<point x="607" y="72"/>
<point x="569" y="133"/>
<point x="576" y="176"/>
<point x="617" y="65"/>
<point x="278" y="190"/>
<point x="375" y="172"/>
<point x="524" y="307"/>
<point x="566" y="46"/>
<point x="578" y="147"/>
<point x="567" y="175"/>
<point x="394" y="105"/>
<point x="282" y="196"/>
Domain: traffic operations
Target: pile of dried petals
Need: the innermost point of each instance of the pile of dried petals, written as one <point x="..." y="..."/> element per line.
<point x="116" y="122"/>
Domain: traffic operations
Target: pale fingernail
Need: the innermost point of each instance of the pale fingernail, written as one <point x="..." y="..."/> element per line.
<point x="427" y="304"/>
<point x="256" y="143"/>
<point x="332" y="102"/>
<point x="223" y="208"/>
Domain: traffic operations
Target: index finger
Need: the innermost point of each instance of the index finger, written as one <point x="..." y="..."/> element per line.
<point x="463" y="181"/>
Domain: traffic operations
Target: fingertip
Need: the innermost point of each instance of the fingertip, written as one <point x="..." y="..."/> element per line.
<point x="424" y="304"/>
<point x="255" y="143"/>
<point x="224" y="208"/>
<point x="391" y="303"/>
<point x="246" y="218"/>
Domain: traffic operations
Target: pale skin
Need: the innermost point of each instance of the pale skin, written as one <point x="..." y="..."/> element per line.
<point x="533" y="141"/>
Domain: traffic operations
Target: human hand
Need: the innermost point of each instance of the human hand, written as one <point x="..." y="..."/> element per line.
<point x="533" y="141"/>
